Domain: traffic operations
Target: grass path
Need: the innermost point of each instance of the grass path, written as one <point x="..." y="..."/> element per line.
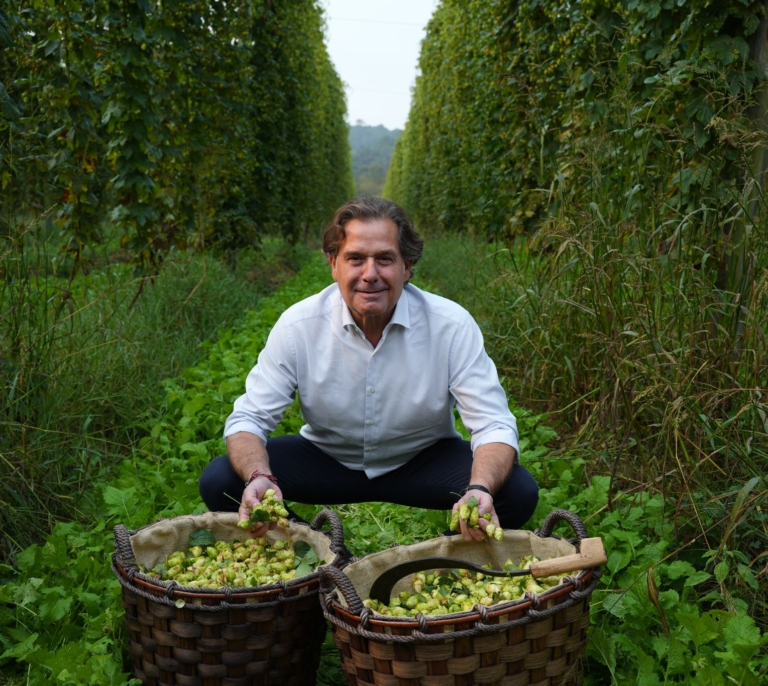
<point x="60" y="615"/>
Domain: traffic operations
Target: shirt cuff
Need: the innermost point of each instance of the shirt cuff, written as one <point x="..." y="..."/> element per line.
<point x="248" y="427"/>
<point x="507" y="436"/>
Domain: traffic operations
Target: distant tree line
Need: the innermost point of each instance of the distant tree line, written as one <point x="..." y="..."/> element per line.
<point x="372" y="148"/>
<point x="177" y="122"/>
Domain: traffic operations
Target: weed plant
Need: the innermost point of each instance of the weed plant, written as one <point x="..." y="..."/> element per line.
<point x="82" y="358"/>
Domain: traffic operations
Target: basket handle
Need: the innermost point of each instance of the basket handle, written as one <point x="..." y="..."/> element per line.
<point x="331" y="577"/>
<point x="124" y="548"/>
<point x="337" y="530"/>
<point x="562" y="515"/>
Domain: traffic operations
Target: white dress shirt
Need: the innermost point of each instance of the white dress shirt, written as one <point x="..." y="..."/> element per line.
<point x="373" y="409"/>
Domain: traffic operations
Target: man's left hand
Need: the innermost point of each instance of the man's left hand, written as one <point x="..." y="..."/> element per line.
<point x="484" y="504"/>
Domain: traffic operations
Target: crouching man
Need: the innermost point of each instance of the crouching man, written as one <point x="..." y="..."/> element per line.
<point x="379" y="366"/>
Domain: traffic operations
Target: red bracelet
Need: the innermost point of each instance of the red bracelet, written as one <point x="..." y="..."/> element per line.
<point x="257" y="474"/>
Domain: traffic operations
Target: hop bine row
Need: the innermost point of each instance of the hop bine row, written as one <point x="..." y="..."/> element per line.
<point x="459" y="590"/>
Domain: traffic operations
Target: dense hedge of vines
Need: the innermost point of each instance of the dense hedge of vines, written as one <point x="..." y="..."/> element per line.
<point x="511" y="92"/>
<point x="179" y="121"/>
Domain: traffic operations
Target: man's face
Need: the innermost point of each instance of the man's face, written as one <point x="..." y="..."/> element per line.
<point x="370" y="270"/>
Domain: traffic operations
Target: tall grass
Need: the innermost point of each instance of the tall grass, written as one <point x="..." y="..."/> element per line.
<point x="83" y="356"/>
<point x="636" y="316"/>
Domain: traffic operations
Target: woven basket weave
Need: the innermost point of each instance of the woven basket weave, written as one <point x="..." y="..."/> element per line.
<point x="535" y="641"/>
<point x="224" y="637"/>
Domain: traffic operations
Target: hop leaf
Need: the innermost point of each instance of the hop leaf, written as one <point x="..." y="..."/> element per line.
<point x="202" y="538"/>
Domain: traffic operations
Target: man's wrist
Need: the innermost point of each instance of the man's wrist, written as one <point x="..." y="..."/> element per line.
<point x="256" y="474"/>
<point x="478" y="487"/>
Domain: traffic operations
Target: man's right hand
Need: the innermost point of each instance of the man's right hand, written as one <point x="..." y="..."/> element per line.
<point x="252" y="495"/>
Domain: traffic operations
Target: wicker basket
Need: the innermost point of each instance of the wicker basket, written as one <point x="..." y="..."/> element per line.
<point x="230" y="636"/>
<point x="537" y="640"/>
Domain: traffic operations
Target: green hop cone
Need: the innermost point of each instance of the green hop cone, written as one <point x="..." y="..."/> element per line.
<point x="499" y="534"/>
<point x="455" y="521"/>
<point x="474" y="517"/>
<point x="269" y="510"/>
<point x="490" y="529"/>
<point x="253" y="563"/>
<point x="465" y="511"/>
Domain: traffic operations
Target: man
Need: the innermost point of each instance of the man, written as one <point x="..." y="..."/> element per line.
<point x="378" y="365"/>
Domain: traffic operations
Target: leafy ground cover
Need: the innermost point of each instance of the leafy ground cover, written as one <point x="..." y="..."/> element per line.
<point x="660" y="615"/>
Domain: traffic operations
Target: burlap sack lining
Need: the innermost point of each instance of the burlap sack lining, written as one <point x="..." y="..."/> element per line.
<point x="515" y="546"/>
<point x="154" y="543"/>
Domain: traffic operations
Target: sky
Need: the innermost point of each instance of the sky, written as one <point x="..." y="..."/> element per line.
<point x="374" y="45"/>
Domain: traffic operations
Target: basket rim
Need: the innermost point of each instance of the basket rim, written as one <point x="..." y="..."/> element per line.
<point x="187" y="593"/>
<point x="499" y="610"/>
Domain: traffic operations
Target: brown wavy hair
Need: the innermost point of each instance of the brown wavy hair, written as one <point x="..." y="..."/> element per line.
<point x="366" y="209"/>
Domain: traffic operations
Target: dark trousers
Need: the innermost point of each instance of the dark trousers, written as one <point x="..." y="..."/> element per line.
<point x="433" y="480"/>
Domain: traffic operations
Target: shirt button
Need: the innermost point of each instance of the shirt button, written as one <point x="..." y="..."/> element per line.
<point x="369" y="422"/>
<point x="373" y="390"/>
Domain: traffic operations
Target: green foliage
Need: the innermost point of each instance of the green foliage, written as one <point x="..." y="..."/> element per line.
<point x="303" y="172"/>
<point x="80" y="356"/>
<point x="511" y="93"/>
<point x="659" y="613"/>
<point x="182" y="122"/>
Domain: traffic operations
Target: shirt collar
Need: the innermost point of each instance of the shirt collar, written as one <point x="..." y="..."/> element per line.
<point x="401" y="315"/>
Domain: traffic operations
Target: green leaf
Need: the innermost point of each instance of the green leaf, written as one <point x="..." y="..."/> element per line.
<point x="27" y="592"/>
<point x="303" y="569"/>
<point x="53" y="608"/>
<point x="203" y="537"/>
<point x="749" y="576"/>
<point x="702" y="629"/>
<point x="602" y="648"/>
<point x="698" y="577"/>
<point x="301" y="548"/>
<point x="194" y="406"/>
<point x="618" y="559"/>
<point x="120" y="502"/>
<point x="259" y="515"/>
<point x="616" y="605"/>
<point x="708" y="676"/>
<point x="742" y="630"/>
<point x="721" y="571"/>
<point x="29" y="558"/>
<point x="21" y="650"/>
<point x="306" y="558"/>
<point x="680" y="568"/>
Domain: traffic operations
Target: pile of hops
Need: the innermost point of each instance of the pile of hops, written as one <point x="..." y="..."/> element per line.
<point x="460" y="590"/>
<point x="470" y="513"/>
<point x="270" y="509"/>
<point x="256" y="562"/>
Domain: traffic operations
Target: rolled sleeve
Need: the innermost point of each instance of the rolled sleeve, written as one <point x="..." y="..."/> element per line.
<point x="480" y="399"/>
<point x="269" y="388"/>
